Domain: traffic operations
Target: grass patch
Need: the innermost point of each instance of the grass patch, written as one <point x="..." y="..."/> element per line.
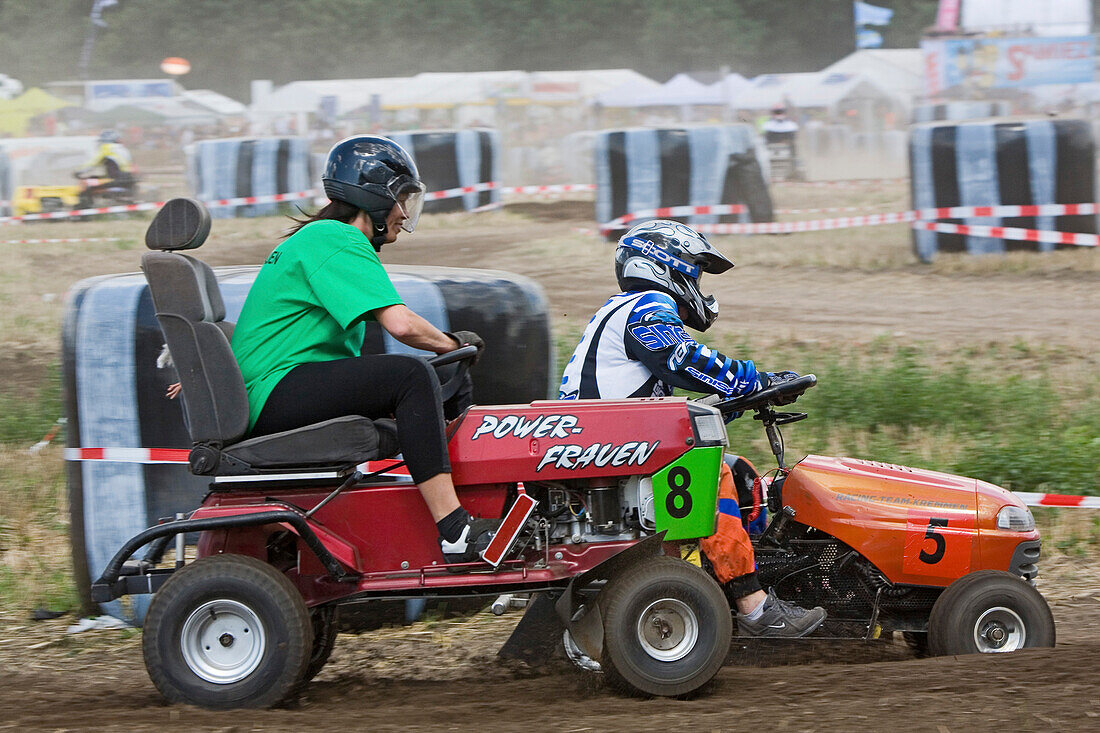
<point x="26" y="414"/>
<point x="35" y="561"/>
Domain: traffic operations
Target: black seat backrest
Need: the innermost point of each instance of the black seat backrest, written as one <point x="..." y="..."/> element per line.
<point x="191" y="313"/>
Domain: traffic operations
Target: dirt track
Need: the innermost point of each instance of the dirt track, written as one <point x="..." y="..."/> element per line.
<point x="446" y="677"/>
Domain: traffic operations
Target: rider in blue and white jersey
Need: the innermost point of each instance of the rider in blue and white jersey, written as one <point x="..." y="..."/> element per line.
<point x="637" y="346"/>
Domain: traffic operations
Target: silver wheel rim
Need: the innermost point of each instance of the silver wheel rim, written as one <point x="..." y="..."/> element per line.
<point x="668" y="630"/>
<point x="223" y="641"/>
<point x="999" y="630"/>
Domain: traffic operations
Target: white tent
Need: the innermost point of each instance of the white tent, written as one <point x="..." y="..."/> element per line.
<point x="898" y="71"/>
<point x="306" y="96"/>
<point x="632" y="93"/>
<point x="214" y="101"/>
<point x="581" y="85"/>
<point x="809" y="90"/>
<point x="683" y="90"/>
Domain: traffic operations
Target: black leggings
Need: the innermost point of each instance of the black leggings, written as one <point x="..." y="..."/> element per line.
<point x="374" y="386"/>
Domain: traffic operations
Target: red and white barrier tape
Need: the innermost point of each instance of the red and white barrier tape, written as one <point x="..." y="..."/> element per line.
<point x="826" y="210"/>
<point x="297" y="196"/>
<point x="665" y="212"/>
<point x="1012" y="233"/>
<point x="179" y="455"/>
<point x="59" y="241"/>
<point x="920" y="218"/>
<point x="1059" y="500"/>
<point x="495" y="186"/>
<point x="128" y="455"/>
<point x="150" y="456"/>
<point x="150" y="205"/>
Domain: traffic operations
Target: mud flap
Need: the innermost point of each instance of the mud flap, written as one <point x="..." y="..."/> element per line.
<point x="540" y="630"/>
<point x="536" y="635"/>
<point x="583" y="620"/>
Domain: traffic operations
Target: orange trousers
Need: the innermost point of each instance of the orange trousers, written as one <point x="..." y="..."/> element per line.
<point x="729" y="549"/>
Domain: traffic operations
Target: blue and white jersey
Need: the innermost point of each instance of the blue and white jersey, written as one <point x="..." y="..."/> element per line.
<point x="636" y="346"/>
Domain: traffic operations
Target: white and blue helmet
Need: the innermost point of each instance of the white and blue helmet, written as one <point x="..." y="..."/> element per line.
<point x="671" y="257"/>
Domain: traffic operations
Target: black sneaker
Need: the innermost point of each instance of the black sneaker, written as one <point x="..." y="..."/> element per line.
<point x="781" y="620"/>
<point x="475" y="537"/>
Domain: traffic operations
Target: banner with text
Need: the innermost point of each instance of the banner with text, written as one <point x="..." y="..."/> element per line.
<point x="988" y="63"/>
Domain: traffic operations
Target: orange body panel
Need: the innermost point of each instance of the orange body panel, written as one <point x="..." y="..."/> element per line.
<point x="918" y="527"/>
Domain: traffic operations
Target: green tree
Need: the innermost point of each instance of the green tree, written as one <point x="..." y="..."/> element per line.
<point x="230" y="42"/>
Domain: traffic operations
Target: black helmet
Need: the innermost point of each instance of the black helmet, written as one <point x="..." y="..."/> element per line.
<point x="671" y="257"/>
<point x="373" y="173"/>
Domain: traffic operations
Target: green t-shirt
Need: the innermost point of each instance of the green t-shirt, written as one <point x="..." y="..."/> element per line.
<point x="307" y="304"/>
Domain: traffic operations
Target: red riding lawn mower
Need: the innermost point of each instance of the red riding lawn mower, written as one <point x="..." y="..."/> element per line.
<point x="599" y="501"/>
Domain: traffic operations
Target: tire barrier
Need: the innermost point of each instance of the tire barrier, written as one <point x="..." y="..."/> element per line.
<point x="1026" y="162"/>
<point x="960" y="110"/>
<point x="642" y="169"/>
<point x="455" y="159"/>
<point x="126" y="440"/>
<point x="239" y="167"/>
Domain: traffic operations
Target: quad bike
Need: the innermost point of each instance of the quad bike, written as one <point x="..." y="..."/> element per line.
<point x="67" y="197"/>
<point x="598" y="500"/>
<point x="783" y="160"/>
<point x="116" y="193"/>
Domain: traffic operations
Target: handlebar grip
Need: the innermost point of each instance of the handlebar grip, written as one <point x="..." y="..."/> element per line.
<point x="758" y="399"/>
<point x="462" y="352"/>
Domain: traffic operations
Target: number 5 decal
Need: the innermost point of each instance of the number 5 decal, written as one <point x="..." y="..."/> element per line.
<point x="937" y="545"/>
<point x="941" y="544"/>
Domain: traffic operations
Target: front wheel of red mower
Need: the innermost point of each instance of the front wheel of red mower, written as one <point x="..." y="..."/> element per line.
<point x="988" y="612"/>
<point x="667" y="628"/>
<point x="227" y="631"/>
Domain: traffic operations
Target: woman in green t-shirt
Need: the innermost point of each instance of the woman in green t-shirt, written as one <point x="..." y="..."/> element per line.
<point x="300" y="334"/>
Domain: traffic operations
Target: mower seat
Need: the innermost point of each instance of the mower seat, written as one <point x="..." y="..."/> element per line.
<point x="191" y="313"/>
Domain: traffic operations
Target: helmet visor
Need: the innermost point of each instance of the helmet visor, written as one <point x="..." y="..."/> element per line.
<point x="409" y="195"/>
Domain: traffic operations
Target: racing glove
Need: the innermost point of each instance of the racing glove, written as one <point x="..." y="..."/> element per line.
<point x="771" y="379"/>
<point x="469" y="338"/>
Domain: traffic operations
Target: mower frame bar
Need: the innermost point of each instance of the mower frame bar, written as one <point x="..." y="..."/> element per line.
<point x="108" y="587"/>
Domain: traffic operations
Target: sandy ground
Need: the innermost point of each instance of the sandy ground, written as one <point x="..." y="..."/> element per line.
<point x="445" y="676"/>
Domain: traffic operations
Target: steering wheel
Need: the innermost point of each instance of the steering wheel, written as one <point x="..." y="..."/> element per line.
<point x="776" y="394"/>
<point x="450" y="380"/>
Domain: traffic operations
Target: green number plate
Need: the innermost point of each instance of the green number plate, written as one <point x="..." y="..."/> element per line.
<point x="685" y="494"/>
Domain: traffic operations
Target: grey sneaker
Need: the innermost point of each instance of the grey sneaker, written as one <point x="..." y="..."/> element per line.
<point x="781" y="620"/>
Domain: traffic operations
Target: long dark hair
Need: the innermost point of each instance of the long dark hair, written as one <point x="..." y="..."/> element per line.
<point x="338" y="210"/>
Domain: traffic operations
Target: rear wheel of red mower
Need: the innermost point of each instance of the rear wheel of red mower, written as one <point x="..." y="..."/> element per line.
<point x="227" y="631"/>
<point x="988" y="612"/>
<point x="667" y="628"/>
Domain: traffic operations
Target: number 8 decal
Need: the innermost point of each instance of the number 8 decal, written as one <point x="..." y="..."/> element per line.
<point x="679" y="479"/>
